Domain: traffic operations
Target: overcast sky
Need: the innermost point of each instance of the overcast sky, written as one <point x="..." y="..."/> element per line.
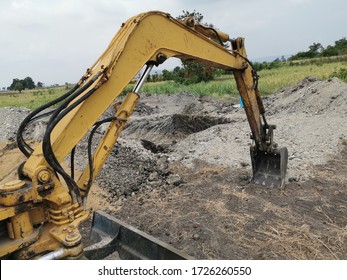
<point x="55" y="41"/>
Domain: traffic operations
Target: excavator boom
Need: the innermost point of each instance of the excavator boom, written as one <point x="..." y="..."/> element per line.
<point x="43" y="209"/>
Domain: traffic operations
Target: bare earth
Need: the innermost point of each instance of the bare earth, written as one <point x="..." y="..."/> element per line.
<point x="181" y="173"/>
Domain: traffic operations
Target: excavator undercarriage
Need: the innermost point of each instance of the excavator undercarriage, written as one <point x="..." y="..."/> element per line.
<point x="40" y="213"/>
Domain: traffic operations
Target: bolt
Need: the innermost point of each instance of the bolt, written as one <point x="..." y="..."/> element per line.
<point x="161" y="58"/>
<point x="190" y="22"/>
<point x="44" y="176"/>
<point x="72" y="237"/>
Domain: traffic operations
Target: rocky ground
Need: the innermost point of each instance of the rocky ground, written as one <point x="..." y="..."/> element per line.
<point x="181" y="172"/>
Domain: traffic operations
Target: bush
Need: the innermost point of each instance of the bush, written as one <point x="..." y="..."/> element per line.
<point x="341" y="74"/>
<point x="330" y="51"/>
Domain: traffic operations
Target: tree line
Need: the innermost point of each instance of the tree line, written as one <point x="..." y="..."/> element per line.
<point x="317" y="50"/>
<point x="22" y="84"/>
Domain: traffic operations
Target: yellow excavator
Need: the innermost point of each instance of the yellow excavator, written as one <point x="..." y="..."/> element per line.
<point x="40" y="213"/>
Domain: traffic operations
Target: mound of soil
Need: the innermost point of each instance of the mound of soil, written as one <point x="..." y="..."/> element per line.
<point x="311" y="96"/>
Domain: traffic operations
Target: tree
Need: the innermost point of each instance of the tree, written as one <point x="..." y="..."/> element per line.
<point x="194" y="72"/>
<point x="178" y="74"/>
<point x="196" y="15"/>
<point x="26" y="83"/>
<point x="167" y="75"/>
<point x="317" y="50"/>
<point x="316" y="47"/>
<point x="14" y="82"/>
<point x="39" y="85"/>
<point x="341" y="46"/>
<point x="330" y="51"/>
<point x="29" y="83"/>
<point x="18" y="86"/>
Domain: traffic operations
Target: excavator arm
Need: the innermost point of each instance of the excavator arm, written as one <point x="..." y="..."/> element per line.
<point x="42" y="210"/>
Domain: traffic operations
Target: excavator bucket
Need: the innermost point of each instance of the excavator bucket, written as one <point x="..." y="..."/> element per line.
<point x="269" y="168"/>
<point x="112" y="236"/>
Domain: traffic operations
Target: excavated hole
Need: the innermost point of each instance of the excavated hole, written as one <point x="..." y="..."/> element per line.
<point x="176" y="126"/>
<point x="188" y="124"/>
<point x="155" y="148"/>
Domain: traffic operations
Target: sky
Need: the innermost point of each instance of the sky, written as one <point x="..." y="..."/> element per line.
<point x="55" y="41"/>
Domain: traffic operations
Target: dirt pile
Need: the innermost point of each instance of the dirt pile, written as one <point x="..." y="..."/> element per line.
<point x="10" y="121"/>
<point x="11" y="118"/>
<point x="311" y="96"/>
<point x="311" y="122"/>
<point x="131" y="169"/>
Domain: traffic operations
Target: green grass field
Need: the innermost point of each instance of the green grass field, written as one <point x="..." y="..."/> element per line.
<point x="30" y="98"/>
<point x="270" y="81"/>
<point x="276" y="79"/>
<point x="223" y="87"/>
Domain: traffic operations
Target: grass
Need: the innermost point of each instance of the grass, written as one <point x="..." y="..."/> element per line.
<point x="30" y="98"/>
<point x="270" y="81"/>
<point x="276" y="79"/>
<point x="224" y="87"/>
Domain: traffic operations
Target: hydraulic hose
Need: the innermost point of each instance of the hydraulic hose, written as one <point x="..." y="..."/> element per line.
<point x="61" y="112"/>
<point x="90" y="157"/>
<point x="22" y="145"/>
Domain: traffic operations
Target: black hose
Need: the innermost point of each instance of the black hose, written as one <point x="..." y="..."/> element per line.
<point x="90" y="157"/>
<point x="22" y="145"/>
<point x="41" y="116"/>
<point x="254" y="72"/>
<point x="72" y="163"/>
<point x="28" y="123"/>
<point x="48" y="150"/>
<point x="59" y="113"/>
<point x="215" y="31"/>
